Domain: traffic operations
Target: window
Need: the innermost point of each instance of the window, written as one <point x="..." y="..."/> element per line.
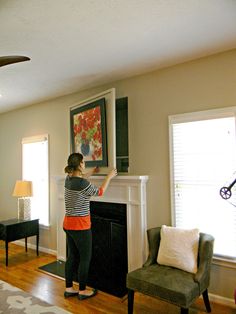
<point x="35" y="169"/>
<point x="203" y="159"/>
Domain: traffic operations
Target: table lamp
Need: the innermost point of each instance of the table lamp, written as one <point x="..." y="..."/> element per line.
<point x="23" y="190"/>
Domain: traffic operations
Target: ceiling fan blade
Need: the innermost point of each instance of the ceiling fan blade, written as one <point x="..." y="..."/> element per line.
<point x="12" y="59"/>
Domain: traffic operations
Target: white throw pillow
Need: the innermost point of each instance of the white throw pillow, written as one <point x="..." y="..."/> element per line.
<point x="179" y="248"/>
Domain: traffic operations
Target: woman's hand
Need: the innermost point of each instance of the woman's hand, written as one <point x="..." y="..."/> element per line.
<point x="112" y="173"/>
<point x="96" y="169"/>
<point x="109" y="176"/>
<point x="90" y="172"/>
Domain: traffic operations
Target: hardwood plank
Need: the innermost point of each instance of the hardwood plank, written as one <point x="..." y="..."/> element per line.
<point x="23" y="273"/>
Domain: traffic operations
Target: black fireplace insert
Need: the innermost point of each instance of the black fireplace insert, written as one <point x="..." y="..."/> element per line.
<point x="109" y="264"/>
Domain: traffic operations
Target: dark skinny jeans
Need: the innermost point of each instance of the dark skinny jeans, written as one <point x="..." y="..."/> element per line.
<point x="79" y="248"/>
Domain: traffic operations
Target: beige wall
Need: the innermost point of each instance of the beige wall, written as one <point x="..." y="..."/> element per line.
<point x="203" y="84"/>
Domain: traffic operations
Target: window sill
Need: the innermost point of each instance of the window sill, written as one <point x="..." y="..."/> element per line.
<point x="45" y="227"/>
<point x="228" y="263"/>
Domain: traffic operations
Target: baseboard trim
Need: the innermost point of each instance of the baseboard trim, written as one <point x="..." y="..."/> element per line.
<point x="222" y="300"/>
<point x="33" y="246"/>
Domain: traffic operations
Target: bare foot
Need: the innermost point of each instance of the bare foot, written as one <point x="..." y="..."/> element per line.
<point x="86" y="292"/>
<point x="72" y="290"/>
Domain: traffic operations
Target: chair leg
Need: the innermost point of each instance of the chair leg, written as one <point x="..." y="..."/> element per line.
<point x="130" y="301"/>
<point x="206" y="301"/>
<point x="184" y="310"/>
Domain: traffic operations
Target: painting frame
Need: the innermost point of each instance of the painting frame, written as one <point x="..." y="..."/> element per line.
<point x="88" y="132"/>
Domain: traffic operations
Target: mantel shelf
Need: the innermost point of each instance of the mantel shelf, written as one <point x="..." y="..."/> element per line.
<point x="119" y="177"/>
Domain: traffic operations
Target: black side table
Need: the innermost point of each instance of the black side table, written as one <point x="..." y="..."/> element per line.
<point x="15" y="229"/>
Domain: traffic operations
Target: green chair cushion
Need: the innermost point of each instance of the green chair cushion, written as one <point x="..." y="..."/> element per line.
<point x="167" y="283"/>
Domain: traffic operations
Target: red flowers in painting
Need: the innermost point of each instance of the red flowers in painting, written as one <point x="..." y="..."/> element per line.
<point x="88" y="134"/>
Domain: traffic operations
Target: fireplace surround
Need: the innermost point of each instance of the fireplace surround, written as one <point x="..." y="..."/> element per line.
<point x="123" y="189"/>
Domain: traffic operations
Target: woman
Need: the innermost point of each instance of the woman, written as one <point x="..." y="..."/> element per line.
<point x="77" y="223"/>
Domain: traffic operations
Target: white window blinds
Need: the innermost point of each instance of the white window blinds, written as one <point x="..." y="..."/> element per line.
<point x="35" y="169"/>
<point x="203" y="159"/>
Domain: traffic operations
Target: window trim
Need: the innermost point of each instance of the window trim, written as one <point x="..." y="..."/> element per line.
<point x="35" y="138"/>
<point x="225" y="262"/>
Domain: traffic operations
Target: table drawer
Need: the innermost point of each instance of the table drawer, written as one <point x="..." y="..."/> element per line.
<point x="22" y="230"/>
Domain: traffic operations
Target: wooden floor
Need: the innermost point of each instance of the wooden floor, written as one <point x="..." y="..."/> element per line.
<point x="23" y="273"/>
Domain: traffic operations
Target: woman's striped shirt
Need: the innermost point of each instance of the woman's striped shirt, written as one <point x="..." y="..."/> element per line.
<point x="78" y="192"/>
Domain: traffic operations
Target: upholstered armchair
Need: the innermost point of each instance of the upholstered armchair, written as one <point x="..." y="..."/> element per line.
<point x="171" y="284"/>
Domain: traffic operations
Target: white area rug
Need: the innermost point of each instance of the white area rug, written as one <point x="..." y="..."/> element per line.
<point x="14" y="301"/>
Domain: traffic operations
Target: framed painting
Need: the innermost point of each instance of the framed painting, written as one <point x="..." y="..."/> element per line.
<point x="88" y="132"/>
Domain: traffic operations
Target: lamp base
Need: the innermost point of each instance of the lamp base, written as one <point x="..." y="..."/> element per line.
<point x="24" y="210"/>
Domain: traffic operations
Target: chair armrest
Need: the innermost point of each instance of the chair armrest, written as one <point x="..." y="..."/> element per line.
<point x="154" y="238"/>
<point x="205" y="255"/>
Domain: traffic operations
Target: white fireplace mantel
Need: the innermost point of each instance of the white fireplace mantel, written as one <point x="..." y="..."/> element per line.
<point x="124" y="189"/>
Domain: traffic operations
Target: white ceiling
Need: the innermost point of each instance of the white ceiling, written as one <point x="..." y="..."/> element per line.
<point x="78" y="44"/>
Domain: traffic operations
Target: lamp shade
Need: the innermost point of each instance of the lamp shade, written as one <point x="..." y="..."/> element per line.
<point x="23" y="189"/>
